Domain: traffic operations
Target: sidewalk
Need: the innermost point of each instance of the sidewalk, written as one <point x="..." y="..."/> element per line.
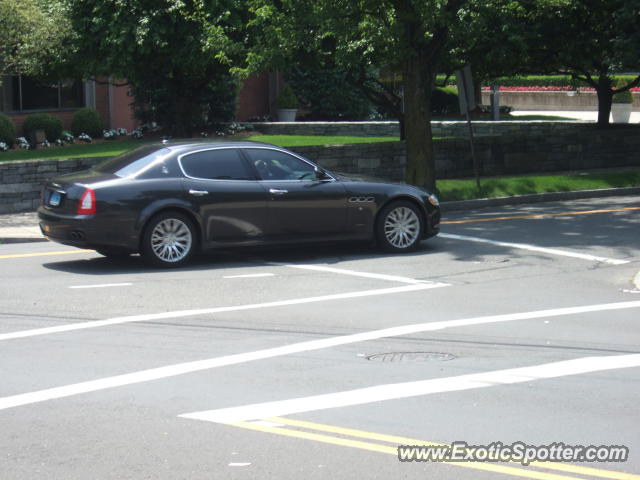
<point x="20" y="228"/>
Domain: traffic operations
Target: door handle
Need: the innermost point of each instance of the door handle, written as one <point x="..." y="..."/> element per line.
<point x="198" y="193"/>
<point x="275" y="191"/>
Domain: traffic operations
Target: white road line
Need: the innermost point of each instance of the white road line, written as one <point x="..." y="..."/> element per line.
<point x="533" y="248"/>
<point x="396" y="391"/>
<point x="104" y="285"/>
<point x="206" y="311"/>
<point x="250" y="275"/>
<point x="200" y="365"/>
<point x="342" y="271"/>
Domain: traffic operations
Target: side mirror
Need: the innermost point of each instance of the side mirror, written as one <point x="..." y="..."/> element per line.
<point x="322" y="175"/>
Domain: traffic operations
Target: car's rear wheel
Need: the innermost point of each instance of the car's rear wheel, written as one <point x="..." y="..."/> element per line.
<point x="399" y="227"/>
<point x="169" y="240"/>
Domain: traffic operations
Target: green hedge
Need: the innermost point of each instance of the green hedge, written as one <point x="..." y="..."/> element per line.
<point x="7" y="130"/>
<point x="536" y="80"/>
<point x="51" y="125"/>
<point x="87" y="120"/>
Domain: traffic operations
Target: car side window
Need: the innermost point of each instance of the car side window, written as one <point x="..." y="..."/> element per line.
<point x="216" y="164"/>
<point x="276" y="165"/>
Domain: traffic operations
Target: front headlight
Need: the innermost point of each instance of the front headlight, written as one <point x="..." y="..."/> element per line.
<point x="433" y="200"/>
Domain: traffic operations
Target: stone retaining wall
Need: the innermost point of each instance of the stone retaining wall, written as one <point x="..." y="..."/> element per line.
<point x="516" y="148"/>
<point x="440" y="129"/>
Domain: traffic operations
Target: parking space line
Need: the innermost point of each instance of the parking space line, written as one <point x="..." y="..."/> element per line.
<point x="208" y="311"/>
<point x="250" y="275"/>
<point x="533" y="248"/>
<point x="538" y="216"/>
<point x="395" y="391"/>
<point x="103" y="285"/>
<point x="311" y="345"/>
<point x="354" y="273"/>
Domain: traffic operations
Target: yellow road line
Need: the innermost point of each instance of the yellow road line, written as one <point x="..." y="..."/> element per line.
<point x="399" y="440"/>
<point x="539" y="215"/>
<point x="376" y="447"/>
<point x="44" y="254"/>
<point x="594" y="472"/>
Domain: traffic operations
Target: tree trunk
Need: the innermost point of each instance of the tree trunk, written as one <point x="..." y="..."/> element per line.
<point x="418" y="83"/>
<point x="604" y="104"/>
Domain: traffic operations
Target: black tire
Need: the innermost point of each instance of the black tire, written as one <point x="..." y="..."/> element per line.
<point x="169" y="240"/>
<point x="399" y="227"/>
<point x="115" y="253"/>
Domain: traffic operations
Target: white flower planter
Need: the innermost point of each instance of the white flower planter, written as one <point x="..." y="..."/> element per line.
<point x="287" y="114"/>
<point x="621" y="112"/>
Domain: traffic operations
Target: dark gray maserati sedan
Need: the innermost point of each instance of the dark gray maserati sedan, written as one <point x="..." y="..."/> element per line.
<point x="169" y="201"/>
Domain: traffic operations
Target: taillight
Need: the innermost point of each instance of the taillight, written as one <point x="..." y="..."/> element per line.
<point x="87" y="203"/>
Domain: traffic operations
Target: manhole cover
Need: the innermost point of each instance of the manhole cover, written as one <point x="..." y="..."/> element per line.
<point x="410" y="357"/>
<point x="491" y="260"/>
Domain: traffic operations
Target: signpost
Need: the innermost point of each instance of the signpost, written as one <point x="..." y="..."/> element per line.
<point x="466" y="99"/>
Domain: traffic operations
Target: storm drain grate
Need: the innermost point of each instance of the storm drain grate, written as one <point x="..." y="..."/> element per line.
<point x="410" y="357"/>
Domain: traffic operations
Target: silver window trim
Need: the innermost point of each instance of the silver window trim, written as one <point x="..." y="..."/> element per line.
<point x="302" y="159"/>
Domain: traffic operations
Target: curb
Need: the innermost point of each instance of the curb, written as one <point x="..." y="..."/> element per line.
<point x="536" y="198"/>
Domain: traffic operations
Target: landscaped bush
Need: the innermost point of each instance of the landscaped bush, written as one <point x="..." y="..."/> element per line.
<point x="51" y="125"/>
<point x="7" y="130"/>
<point x="326" y="94"/>
<point x="87" y="120"/>
<point x="444" y="100"/>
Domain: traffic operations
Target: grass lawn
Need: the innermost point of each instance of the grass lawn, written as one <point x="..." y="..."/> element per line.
<point x="102" y="149"/>
<point x="509" y="186"/>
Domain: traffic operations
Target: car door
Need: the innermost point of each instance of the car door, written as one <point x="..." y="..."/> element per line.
<point x="224" y="191"/>
<point x="300" y="204"/>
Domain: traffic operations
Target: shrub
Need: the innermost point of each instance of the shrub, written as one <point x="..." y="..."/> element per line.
<point x="622" y="97"/>
<point x="87" y="120"/>
<point x="51" y="125"/>
<point x="444" y="100"/>
<point x="327" y="95"/>
<point x="7" y="130"/>
<point x="287" y="98"/>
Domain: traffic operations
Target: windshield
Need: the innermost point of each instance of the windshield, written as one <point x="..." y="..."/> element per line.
<point x="133" y="161"/>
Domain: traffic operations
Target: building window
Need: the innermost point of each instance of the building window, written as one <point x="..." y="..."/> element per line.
<point x="23" y="94"/>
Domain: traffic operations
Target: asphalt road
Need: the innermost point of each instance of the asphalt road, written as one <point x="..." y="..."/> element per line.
<point x="516" y="324"/>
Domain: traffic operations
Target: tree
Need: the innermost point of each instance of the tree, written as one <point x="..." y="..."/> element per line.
<point x="406" y="36"/>
<point x="592" y="40"/>
<point x="176" y="54"/>
<point x="32" y="34"/>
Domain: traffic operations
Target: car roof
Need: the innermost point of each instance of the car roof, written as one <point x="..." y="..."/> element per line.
<point x="198" y="145"/>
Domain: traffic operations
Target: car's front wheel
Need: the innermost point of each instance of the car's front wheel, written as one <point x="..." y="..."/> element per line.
<point x="169" y="240"/>
<point x="399" y="227"/>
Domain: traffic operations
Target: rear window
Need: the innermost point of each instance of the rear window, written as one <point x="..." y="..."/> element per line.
<point x="132" y="162"/>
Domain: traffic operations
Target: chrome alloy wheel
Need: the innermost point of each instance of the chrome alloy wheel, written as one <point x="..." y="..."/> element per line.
<point x="171" y="240"/>
<point x="402" y="227"/>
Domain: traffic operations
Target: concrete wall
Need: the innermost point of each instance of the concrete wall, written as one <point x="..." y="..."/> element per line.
<point x="520" y="148"/>
<point x="583" y="101"/>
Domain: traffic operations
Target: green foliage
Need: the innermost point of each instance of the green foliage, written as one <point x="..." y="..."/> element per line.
<point x="546" y="81"/>
<point x="328" y="95"/>
<point x="87" y="120"/>
<point x="176" y="54"/>
<point x="287" y="98"/>
<point x="7" y="130"/>
<point x="444" y="100"/>
<point x="32" y="34"/>
<point x="51" y="125"/>
<point x="622" y="97"/>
